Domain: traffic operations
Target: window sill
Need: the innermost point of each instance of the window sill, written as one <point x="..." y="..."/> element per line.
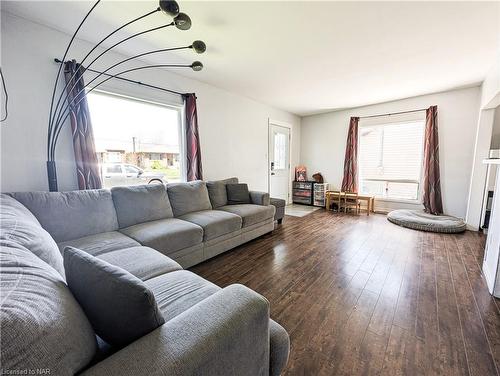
<point x="399" y="201"/>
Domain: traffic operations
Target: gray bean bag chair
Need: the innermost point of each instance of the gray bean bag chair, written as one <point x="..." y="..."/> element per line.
<point x="420" y="220"/>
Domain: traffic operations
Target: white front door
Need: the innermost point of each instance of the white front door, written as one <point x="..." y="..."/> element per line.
<point x="279" y="161"/>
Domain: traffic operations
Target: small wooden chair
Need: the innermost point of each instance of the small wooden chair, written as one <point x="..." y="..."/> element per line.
<point x="351" y="201"/>
<point x="337" y="199"/>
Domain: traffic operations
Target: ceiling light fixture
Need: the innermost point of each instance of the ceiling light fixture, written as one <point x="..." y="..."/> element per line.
<point x="197" y="66"/>
<point x="171" y="8"/>
<point x="199" y="47"/>
<point x="182" y="21"/>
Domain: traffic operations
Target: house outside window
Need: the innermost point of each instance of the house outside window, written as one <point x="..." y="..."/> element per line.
<point x="391" y="157"/>
<point x="114" y="156"/>
<point x="143" y="138"/>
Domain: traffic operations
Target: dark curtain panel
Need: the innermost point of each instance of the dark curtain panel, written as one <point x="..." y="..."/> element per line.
<point x="193" y="151"/>
<point x="87" y="167"/>
<point x="432" y="183"/>
<point x="350" y="181"/>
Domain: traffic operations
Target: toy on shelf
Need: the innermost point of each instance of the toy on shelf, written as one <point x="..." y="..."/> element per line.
<point x="300" y="173"/>
<point x="318" y="178"/>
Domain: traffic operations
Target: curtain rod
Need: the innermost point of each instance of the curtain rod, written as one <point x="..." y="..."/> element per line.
<point x="129" y="80"/>
<point x="393" y="113"/>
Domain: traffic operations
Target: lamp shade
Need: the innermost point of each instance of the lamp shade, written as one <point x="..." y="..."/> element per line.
<point x="197" y="66"/>
<point x="182" y="21"/>
<point x="199" y="46"/>
<point x="169" y="7"/>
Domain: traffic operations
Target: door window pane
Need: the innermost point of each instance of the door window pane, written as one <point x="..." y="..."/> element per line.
<point x="279" y="151"/>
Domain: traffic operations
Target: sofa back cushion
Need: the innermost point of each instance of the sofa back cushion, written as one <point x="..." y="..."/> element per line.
<point x="217" y="191"/>
<point x="141" y="203"/>
<point x="21" y="227"/>
<point x="238" y="194"/>
<point x="71" y="215"/>
<point x="119" y="305"/>
<point x="43" y="327"/>
<point x="188" y="197"/>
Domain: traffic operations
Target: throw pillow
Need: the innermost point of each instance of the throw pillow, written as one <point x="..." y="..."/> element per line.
<point x="120" y="307"/>
<point x="238" y="194"/>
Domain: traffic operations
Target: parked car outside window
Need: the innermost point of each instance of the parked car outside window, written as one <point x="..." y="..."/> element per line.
<point x="114" y="169"/>
<point x="116" y="174"/>
<point x="129" y="169"/>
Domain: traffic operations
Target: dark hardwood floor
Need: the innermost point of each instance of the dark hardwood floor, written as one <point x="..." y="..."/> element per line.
<point x="362" y="296"/>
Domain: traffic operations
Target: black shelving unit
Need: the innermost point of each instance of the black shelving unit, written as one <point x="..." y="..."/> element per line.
<point x="303" y="192"/>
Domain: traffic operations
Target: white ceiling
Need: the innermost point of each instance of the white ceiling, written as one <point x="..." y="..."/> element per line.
<point x="307" y="57"/>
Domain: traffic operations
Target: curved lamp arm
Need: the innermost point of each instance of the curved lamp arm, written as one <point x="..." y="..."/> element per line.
<point x="58" y="113"/>
<point x="53" y="115"/>
<point x="59" y="71"/>
<point x="170" y="7"/>
<point x="63" y="109"/>
<point x="59" y="125"/>
<point x="198" y="46"/>
<point x="56" y="122"/>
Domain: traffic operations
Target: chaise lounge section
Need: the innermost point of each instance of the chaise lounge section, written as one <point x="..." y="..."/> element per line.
<point x="151" y="232"/>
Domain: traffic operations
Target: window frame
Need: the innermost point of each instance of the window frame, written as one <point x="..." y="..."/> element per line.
<point x="380" y="121"/>
<point x="179" y="108"/>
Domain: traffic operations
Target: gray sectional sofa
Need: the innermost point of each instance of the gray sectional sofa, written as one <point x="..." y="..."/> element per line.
<point x="152" y="232"/>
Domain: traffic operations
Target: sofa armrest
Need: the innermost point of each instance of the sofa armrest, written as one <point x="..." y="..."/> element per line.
<point x="280" y="348"/>
<point x="227" y="333"/>
<point x="260" y="198"/>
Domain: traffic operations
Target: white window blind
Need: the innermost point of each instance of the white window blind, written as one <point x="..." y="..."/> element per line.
<point x="390" y="159"/>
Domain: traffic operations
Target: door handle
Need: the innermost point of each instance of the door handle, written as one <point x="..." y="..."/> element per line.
<point x="272" y="173"/>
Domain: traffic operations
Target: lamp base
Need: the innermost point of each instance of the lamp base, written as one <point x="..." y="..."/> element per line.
<point x="52" y="176"/>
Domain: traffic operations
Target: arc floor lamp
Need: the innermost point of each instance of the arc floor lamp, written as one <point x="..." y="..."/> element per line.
<point x="61" y="108"/>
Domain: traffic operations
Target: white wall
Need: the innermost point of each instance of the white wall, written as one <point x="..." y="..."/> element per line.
<point x="233" y="128"/>
<point x="490" y="91"/>
<point x="324" y="138"/>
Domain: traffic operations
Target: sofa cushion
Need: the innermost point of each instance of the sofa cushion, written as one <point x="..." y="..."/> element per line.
<point x="20" y="226"/>
<point x="143" y="262"/>
<point x="71" y="215"/>
<point x="238" y="194"/>
<point x="250" y="213"/>
<point x="217" y="191"/>
<point x="188" y="197"/>
<point x="178" y="291"/>
<point x="166" y="235"/>
<point x="43" y="327"/>
<point x="141" y="203"/>
<point x="120" y="307"/>
<point x="101" y="243"/>
<point x="215" y="223"/>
